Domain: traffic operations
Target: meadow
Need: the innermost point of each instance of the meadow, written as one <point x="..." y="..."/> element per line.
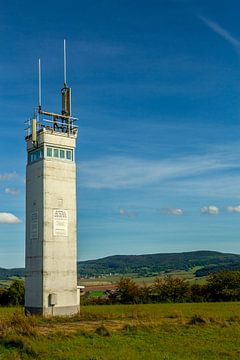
<point x="116" y="332"/>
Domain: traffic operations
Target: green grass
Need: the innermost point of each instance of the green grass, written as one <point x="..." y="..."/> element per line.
<point x="96" y="293"/>
<point x="208" y="331"/>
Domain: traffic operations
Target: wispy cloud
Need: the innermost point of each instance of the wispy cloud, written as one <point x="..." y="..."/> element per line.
<point x="233" y="209"/>
<point x="13" y="192"/>
<point x="172" y="211"/>
<point x="8" y="176"/>
<point x="225" y="34"/>
<point x="219" y="186"/>
<point x="210" y="209"/>
<point x="127" y="172"/>
<point x="124" y="212"/>
<point x="8" y="218"/>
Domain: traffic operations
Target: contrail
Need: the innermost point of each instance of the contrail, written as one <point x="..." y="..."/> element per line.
<point x="221" y="31"/>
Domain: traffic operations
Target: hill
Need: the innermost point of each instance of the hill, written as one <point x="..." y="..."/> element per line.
<point x="150" y="264"/>
<point x="8" y="273"/>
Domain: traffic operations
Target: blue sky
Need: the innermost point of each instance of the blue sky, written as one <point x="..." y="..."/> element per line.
<point x="156" y="85"/>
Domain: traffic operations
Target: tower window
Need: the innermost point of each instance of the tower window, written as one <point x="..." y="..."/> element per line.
<point x="49" y="152"/>
<point x="55" y="153"/>
<point x="69" y="154"/>
<point x="35" y="155"/>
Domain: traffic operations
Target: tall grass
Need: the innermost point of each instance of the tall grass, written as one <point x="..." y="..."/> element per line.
<point x="161" y="331"/>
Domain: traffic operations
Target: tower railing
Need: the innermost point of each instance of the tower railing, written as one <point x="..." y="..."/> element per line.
<point x="54" y="123"/>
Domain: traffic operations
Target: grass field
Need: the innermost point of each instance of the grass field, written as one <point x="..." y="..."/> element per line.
<point x="149" y="280"/>
<point x="116" y="332"/>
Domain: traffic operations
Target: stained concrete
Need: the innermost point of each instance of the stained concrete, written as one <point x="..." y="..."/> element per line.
<point x="51" y="256"/>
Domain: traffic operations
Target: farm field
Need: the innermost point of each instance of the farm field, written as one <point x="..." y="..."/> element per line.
<point x="96" y="285"/>
<point x="116" y="332"/>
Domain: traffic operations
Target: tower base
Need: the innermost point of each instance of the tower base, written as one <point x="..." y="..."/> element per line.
<point x="53" y="310"/>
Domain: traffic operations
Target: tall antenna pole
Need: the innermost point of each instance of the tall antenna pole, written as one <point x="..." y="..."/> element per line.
<point x="39" y="85"/>
<point x="65" y="62"/>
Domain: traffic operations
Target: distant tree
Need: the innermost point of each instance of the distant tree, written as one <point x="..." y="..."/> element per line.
<point x="170" y="289"/>
<point x="15" y="293"/>
<point x="128" y="292"/>
<point x="145" y="294"/>
<point x="224" y="286"/>
<point x="199" y="293"/>
<point x="3" y="297"/>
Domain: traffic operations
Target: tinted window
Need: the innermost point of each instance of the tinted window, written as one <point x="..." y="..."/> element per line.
<point x="49" y="152"/>
<point x="55" y="152"/>
<point x="69" y="154"/>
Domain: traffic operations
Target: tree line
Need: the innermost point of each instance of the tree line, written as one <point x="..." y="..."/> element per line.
<point x="221" y="286"/>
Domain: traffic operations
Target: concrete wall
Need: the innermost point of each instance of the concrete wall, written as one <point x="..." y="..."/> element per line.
<point x="51" y="261"/>
<point x="34" y="237"/>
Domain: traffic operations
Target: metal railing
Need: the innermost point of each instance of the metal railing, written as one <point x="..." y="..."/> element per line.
<point x="55" y="123"/>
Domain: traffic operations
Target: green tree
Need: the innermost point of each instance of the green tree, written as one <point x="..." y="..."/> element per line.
<point x="199" y="293"/>
<point x="224" y="286"/>
<point x="170" y="289"/>
<point x="15" y="293"/>
<point x="128" y="292"/>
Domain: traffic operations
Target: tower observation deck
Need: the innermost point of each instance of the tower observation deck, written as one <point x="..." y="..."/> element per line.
<point x="51" y="246"/>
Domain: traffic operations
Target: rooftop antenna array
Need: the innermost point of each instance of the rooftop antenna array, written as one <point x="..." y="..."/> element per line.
<point x="63" y="122"/>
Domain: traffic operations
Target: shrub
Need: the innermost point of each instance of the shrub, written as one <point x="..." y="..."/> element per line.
<point x="199" y="293"/>
<point x="14" y="295"/>
<point x="224" y="286"/>
<point x="170" y="289"/>
<point x="102" y="331"/>
<point x="128" y="292"/>
<point x="197" y="320"/>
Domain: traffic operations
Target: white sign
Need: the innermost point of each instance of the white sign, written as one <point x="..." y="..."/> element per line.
<point x="34" y="226"/>
<point x="60" y="222"/>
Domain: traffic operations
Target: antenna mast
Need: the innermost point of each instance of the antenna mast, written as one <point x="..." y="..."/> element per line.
<point x="66" y="91"/>
<point x="65" y="63"/>
<point x="39" y="85"/>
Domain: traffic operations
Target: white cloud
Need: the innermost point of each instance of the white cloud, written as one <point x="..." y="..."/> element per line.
<point x="124" y="212"/>
<point x="221" y="31"/>
<point x="172" y="211"/>
<point x="13" y="192"/>
<point x="7" y="176"/>
<point x="8" y="218"/>
<point x="233" y="209"/>
<point x="211" y="209"/>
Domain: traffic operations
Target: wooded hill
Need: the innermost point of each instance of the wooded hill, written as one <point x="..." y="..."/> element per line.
<point x="151" y="264"/>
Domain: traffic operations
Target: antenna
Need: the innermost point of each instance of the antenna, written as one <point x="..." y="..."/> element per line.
<point x="39" y="85"/>
<point x="64" y="63"/>
<point x="66" y="91"/>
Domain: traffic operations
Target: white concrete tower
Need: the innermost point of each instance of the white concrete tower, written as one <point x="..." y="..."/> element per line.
<point x="51" y="254"/>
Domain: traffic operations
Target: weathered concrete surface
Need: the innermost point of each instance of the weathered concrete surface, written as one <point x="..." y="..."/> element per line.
<point x="51" y="256"/>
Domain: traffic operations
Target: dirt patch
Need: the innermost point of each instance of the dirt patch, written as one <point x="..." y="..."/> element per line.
<point x="99" y="287"/>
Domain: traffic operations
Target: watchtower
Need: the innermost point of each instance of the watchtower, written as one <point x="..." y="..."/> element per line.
<point x="51" y="253"/>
